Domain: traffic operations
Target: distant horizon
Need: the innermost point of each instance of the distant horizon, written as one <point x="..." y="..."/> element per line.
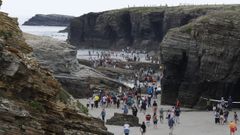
<point x="17" y="8"/>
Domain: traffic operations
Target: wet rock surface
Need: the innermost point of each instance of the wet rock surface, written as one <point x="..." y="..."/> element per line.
<point x="121" y="119"/>
<point x="202" y="59"/>
<point x="49" y="20"/>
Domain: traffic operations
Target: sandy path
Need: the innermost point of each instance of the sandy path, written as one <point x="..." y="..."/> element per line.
<point x="192" y="123"/>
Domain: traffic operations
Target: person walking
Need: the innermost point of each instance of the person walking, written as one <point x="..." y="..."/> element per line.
<point x="143" y="128"/>
<point x="155" y="120"/>
<point x="134" y="110"/>
<point x="126" y="129"/>
<point x="148" y="118"/>
<point x="154" y="106"/>
<point x="235" y="117"/>
<point x="232" y="127"/>
<point x="171" y="124"/>
<point x="103" y="114"/>
<point x="161" y="115"/>
<point x="125" y="109"/>
<point x="177" y="115"/>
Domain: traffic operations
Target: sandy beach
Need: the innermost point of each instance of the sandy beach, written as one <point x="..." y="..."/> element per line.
<point x="191" y="122"/>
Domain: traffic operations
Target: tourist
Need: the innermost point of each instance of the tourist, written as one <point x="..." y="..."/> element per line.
<point x="177" y="103"/>
<point x="148" y="118"/>
<point x="177" y="115"/>
<point x="171" y="124"/>
<point x="221" y="117"/>
<point x="103" y="114"/>
<point x="143" y="128"/>
<point x="96" y="100"/>
<point x="88" y="102"/>
<point x="230" y="103"/>
<point x="161" y="115"/>
<point x="235" y="117"/>
<point x="226" y="113"/>
<point x="144" y="107"/>
<point x="222" y="102"/>
<point x="154" y="106"/>
<point x="125" y="109"/>
<point x="217" y="117"/>
<point x="155" y="120"/>
<point x="134" y="110"/>
<point x="118" y="102"/>
<point x="232" y="127"/>
<point x="92" y="103"/>
<point x="126" y="129"/>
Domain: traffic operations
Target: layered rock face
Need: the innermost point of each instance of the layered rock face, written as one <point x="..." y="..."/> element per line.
<point x="202" y="59"/>
<point x="60" y="58"/>
<point x="31" y="100"/>
<point x="49" y="20"/>
<point x="141" y="28"/>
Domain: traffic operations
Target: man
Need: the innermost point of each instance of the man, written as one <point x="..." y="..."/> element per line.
<point x="232" y="127"/>
<point x="134" y="110"/>
<point x="230" y="103"/>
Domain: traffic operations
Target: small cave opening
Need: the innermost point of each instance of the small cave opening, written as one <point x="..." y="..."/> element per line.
<point x="157" y="28"/>
<point x="109" y="33"/>
<point x="125" y="26"/>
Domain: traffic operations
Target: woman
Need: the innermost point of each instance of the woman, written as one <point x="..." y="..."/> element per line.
<point x="155" y="120"/>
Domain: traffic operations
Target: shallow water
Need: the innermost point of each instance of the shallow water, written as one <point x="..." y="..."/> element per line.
<point x="51" y="31"/>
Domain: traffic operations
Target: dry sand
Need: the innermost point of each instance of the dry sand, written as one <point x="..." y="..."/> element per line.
<point x="191" y="123"/>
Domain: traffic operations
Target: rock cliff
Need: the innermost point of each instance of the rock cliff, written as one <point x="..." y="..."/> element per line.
<point x="49" y="20"/>
<point x="60" y="58"/>
<point x="31" y="100"/>
<point x="202" y="59"/>
<point x="141" y="27"/>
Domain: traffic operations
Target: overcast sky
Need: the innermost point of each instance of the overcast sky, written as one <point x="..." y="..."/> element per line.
<point x="27" y="8"/>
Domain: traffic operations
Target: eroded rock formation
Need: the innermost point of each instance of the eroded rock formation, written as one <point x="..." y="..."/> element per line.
<point x="60" y="58"/>
<point x="31" y="100"/>
<point x="141" y="27"/>
<point x="202" y="59"/>
<point x="49" y="20"/>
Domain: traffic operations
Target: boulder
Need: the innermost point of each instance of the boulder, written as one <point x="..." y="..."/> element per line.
<point x="202" y="59"/>
<point x="121" y="119"/>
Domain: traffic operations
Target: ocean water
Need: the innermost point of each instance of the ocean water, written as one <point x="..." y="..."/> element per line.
<point x="51" y="31"/>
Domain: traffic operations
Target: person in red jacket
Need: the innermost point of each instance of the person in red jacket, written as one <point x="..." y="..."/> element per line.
<point x="148" y="118"/>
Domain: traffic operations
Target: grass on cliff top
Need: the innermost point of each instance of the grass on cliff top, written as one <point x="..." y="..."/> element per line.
<point x="184" y="8"/>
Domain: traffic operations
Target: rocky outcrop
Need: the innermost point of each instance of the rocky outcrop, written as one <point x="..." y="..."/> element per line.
<point x="141" y="27"/>
<point x="121" y="119"/>
<point x="31" y="100"/>
<point x="202" y="59"/>
<point x="60" y="58"/>
<point x="49" y="20"/>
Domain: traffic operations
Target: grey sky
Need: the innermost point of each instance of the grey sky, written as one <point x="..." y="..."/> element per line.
<point x="27" y="8"/>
